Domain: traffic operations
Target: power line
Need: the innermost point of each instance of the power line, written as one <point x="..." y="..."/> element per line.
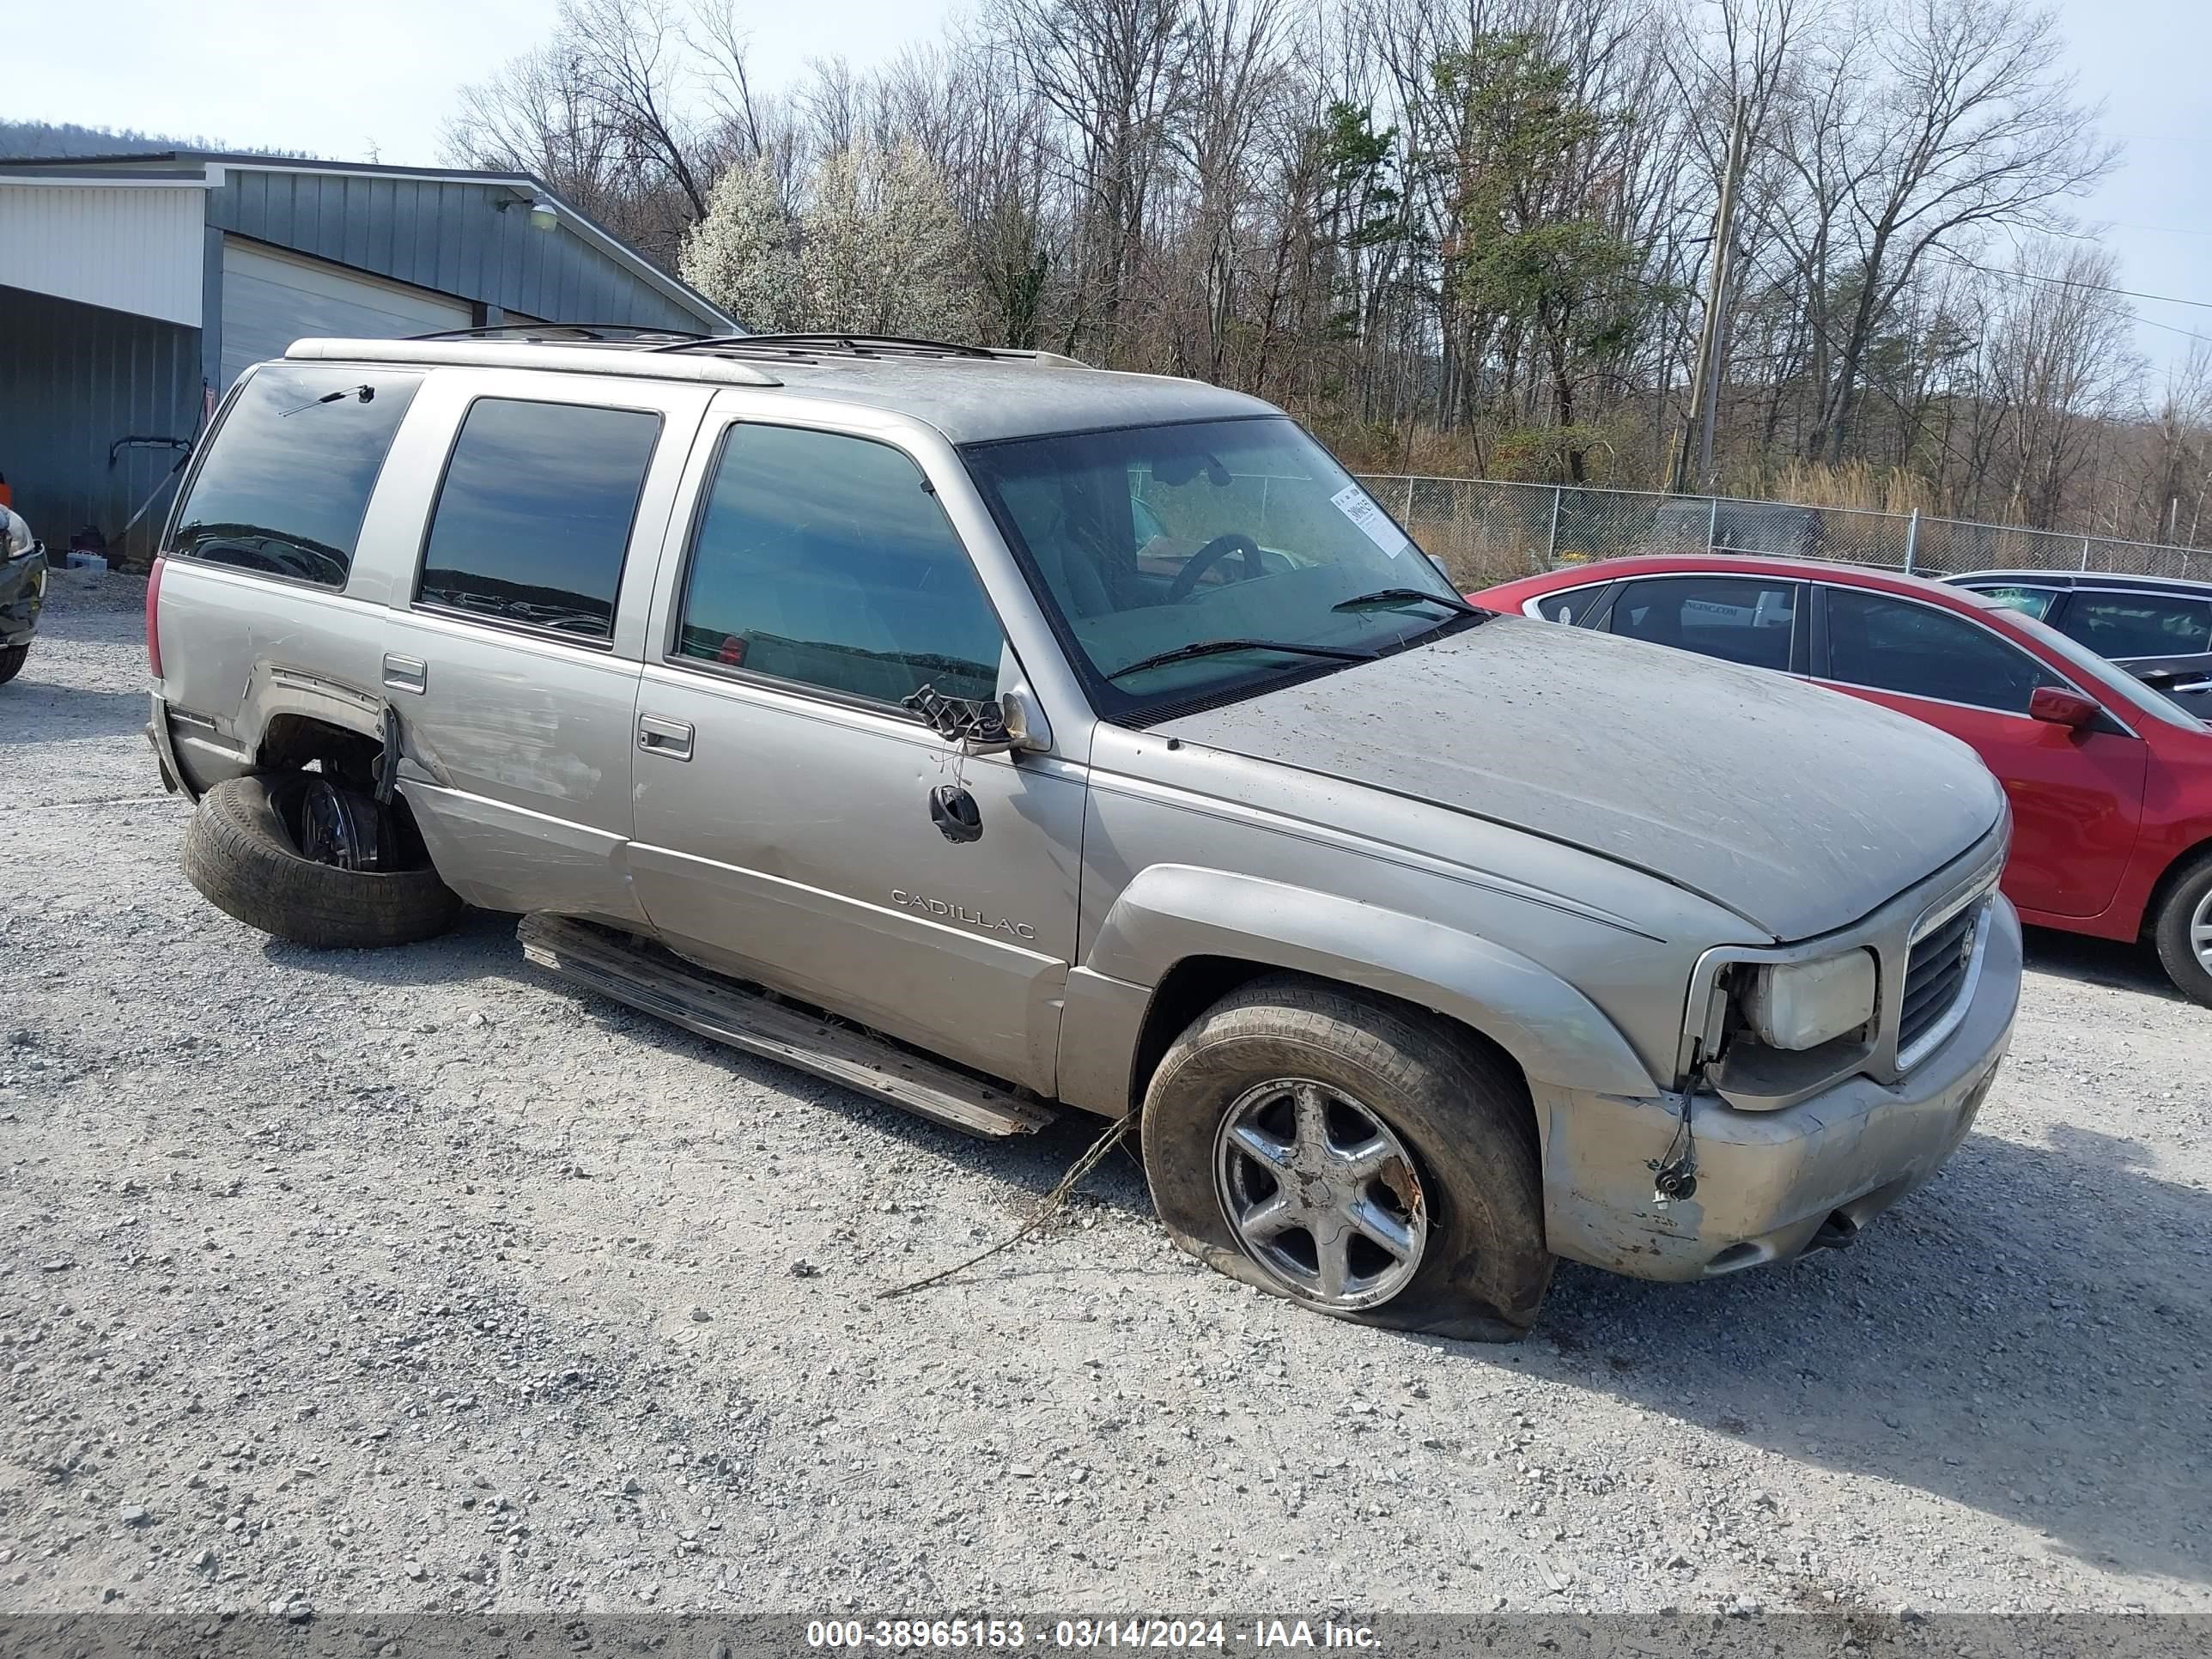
<point x="2130" y="224"/>
<point x="2112" y="311"/>
<point x="2094" y="287"/>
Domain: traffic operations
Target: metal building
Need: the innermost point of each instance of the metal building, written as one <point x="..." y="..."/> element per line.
<point x="135" y="289"/>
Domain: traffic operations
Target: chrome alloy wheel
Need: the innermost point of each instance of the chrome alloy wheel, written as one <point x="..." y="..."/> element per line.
<point x="2200" y="932"/>
<point x="1321" y="1193"/>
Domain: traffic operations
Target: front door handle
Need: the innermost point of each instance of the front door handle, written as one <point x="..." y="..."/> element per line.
<point x="406" y="674"/>
<point x="954" y="811"/>
<point x="668" y="738"/>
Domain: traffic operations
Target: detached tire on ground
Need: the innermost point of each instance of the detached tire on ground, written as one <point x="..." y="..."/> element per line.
<point x="2183" y="932"/>
<point x="1361" y="1157"/>
<point x="241" y="853"/>
<point x="12" y="657"/>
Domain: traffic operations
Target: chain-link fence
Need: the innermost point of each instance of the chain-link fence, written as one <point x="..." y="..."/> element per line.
<point x="1488" y="531"/>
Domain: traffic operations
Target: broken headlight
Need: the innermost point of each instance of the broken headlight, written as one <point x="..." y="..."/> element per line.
<point x="1802" y="1004"/>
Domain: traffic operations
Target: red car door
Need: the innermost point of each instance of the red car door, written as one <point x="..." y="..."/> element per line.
<point x="2076" y="794"/>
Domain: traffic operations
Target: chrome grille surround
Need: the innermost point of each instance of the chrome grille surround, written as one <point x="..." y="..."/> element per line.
<point x="1943" y="962"/>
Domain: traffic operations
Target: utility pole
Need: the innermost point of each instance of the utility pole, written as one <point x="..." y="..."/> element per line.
<point x="1705" y="385"/>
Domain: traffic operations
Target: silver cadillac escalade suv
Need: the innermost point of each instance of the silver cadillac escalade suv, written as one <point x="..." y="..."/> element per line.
<point x="993" y="735"/>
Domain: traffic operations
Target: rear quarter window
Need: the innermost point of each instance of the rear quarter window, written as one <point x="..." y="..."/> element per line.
<point x="1568" y="605"/>
<point x="287" y="477"/>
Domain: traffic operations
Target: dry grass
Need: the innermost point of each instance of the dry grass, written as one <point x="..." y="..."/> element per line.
<point x="1853" y="485"/>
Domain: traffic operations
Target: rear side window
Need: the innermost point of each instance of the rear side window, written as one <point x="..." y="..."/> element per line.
<point x="534" y="515"/>
<point x="1735" y="618"/>
<point x="825" y="560"/>
<point x="2139" y="624"/>
<point x="287" y="479"/>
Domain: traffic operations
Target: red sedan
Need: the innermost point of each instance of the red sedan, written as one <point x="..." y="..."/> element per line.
<point x="2111" y="784"/>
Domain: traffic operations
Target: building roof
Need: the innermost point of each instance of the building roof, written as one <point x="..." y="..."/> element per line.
<point x="970" y="395"/>
<point x="174" y="167"/>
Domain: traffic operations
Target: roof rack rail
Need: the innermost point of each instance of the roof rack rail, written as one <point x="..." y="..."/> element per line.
<point x="602" y="333"/>
<point x="866" y="348"/>
<point x="837" y="345"/>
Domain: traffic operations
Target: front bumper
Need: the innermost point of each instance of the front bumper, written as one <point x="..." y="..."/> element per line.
<point x="1769" y="1184"/>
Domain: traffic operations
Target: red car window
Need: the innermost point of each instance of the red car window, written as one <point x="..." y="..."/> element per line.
<point x="1917" y="651"/>
<point x="1736" y="618"/>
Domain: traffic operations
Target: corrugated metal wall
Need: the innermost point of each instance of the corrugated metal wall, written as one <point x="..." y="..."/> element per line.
<point x="451" y="237"/>
<point x="129" y="247"/>
<point x="73" y="379"/>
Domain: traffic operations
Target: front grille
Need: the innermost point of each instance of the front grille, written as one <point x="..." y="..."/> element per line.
<point x="1935" y="973"/>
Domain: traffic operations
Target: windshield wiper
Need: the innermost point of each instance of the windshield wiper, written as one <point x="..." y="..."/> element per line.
<point x="1215" y="647"/>
<point x="1406" y="596"/>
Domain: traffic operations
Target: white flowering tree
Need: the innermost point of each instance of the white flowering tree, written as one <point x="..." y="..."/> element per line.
<point x="743" y="254"/>
<point x="881" y="248"/>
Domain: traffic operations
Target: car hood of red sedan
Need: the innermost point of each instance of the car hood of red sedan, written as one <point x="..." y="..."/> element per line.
<point x="1799" y="809"/>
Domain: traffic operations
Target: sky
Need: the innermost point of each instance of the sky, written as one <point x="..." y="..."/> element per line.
<point x="358" y="82"/>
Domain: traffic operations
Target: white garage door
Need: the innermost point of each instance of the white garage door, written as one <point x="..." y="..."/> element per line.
<point x="271" y="298"/>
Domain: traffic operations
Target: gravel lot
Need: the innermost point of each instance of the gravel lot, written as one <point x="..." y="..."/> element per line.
<point x="417" y="1280"/>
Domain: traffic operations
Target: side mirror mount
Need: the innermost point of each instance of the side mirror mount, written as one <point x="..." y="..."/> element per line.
<point x="1024" y="721"/>
<point x="2059" y="707"/>
<point x="1012" y="724"/>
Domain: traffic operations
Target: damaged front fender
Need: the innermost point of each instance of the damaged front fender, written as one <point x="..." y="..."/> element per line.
<point x="1172" y="912"/>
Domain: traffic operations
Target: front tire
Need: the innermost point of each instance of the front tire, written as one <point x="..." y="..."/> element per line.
<point x="1363" y="1158"/>
<point x="242" y="851"/>
<point x="12" y="657"/>
<point x="2183" y="932"/>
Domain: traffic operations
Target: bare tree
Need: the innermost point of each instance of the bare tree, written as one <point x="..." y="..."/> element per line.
<point x="2178" y="469"/>
<point x="1476" y="229"/>
<point x="1968" y="128"/>
<point x="1113" y="71"/>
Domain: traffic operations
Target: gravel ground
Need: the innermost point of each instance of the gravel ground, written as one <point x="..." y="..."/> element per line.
<point x="417" y="1280"/>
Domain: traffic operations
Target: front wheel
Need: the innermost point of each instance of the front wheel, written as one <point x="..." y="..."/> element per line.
<point x="2183" y="930"/>
<point x="1363" y="1158"/>
<point x="12" y="657"/>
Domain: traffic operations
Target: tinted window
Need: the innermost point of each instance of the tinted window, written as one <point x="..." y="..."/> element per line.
<point x="1895" y="645"/>
<point x="534" y="515"/>
<point x="1736" y="618"/>
<point x="284" y="486"/>
<point x="825" y="560"/>
<point x="2034" y="601"/>
<point x="2139" y="624"/>
<point x="1570" y="605"/>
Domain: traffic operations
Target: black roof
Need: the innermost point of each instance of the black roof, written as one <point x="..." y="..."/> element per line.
<point x="2177" y="586"/>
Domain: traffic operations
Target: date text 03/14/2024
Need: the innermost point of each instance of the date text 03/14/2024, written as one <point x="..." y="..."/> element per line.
<point x="1085" y="1633"/>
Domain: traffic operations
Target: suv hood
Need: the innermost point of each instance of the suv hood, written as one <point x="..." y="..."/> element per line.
<point x="1798" y="808"/>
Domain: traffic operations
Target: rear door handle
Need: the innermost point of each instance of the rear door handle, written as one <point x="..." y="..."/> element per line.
<point x="406" y="674"/>
<point x="671" y="738"/>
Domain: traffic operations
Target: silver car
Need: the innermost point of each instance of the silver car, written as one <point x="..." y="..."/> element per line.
<point x="997" y="736"/>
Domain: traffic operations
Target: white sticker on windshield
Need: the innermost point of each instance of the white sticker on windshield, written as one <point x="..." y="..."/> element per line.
<point x="1357" y="505"/>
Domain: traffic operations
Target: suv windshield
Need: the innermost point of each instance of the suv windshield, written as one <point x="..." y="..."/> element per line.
<point x="1192" y="561"/>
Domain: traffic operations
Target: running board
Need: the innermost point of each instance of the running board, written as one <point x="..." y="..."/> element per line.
<point x="648" y="978"/>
